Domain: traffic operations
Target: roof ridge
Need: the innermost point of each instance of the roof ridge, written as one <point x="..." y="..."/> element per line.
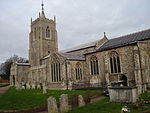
<point x="130" y="34"/>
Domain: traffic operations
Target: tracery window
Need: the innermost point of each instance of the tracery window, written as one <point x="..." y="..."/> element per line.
<point x="115" y="62"/>
<point x="94" y="65"/>
<point x="47" y="32"/>
<point x="78" y="71"/>
<point x="55" y="72"/>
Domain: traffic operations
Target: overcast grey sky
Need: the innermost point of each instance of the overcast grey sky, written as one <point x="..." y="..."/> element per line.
<point x="78" y="21"/>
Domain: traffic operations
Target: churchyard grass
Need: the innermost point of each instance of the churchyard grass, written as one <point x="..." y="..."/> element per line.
<point x="103" y="106"/>
<point x="31" y="98"/>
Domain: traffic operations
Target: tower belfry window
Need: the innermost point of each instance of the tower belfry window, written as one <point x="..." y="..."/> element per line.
<point x="47" y="32"/>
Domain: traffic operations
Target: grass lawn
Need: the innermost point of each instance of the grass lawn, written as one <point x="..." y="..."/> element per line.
<point x="27" y="99"/>
<point x="103" y="106"/>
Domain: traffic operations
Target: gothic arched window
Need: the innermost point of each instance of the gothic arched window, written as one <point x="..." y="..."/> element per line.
<point x="78" y="71"/>
<point x="94" y="65"/>
<point x="115" y="62"/>
<point x="47" y="32"/>
<point x="55" y="72"/>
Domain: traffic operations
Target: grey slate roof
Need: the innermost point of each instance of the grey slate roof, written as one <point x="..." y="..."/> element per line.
<point x="70" y="56"/>
<point x="126" y="40"/>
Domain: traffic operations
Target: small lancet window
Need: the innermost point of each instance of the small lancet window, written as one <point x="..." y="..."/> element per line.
<point x="47" y="32"/>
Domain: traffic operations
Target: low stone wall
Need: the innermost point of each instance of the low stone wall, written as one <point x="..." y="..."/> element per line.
<point x="123" y="94"/>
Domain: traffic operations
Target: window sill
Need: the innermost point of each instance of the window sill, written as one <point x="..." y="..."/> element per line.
<point x="116" y="73"/>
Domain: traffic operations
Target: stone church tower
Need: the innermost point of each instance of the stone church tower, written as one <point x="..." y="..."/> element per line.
<point x="42" y="39"/>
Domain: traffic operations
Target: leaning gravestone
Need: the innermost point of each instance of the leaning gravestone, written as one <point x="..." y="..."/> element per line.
<point x="52" y="105"/>
<point x="64" y="107"/>
<point x="81" y="101"/>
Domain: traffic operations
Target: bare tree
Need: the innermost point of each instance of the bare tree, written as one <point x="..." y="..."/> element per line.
<point x="5" y="67"/>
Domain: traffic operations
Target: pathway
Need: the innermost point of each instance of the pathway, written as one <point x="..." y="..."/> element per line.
<point x="3" y="89"/>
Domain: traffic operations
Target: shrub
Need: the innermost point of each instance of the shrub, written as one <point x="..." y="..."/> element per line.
<point x="145" y="98"/>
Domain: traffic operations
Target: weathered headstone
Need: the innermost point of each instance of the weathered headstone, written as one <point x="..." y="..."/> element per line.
<point x="38" y="86"/>
<point x="44" y="90"/>
<point x="23" y="87"/>
<point x="64" y="107"/>
<point x="28" y="86"/>
<point x="33" y="86"/>
<point x="18" y="86"/>
<point x="81" y="101"/>
<point x="52" y="105"/>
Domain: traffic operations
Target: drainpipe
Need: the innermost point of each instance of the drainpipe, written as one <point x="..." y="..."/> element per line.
<point x="66" y="74"/>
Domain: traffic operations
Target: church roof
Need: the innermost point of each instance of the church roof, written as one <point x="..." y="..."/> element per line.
<point x="70" y="56"/>
<point x="126" y="40"/>
<point x="81" y="47"/>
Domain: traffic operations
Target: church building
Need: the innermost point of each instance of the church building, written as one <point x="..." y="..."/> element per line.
<point x="100" y="63"/>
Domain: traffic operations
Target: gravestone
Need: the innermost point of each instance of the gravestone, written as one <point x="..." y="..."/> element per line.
<point x="52" y="105"/>
<point x="23" y="87"/>
<point x="44" y="90"/>
<point x="64" y="107"/>
<point x="81" y="101"/>
<point x="28" y="86"/>
<point x="38" y="86"/>
<point x="33" y="86"/>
